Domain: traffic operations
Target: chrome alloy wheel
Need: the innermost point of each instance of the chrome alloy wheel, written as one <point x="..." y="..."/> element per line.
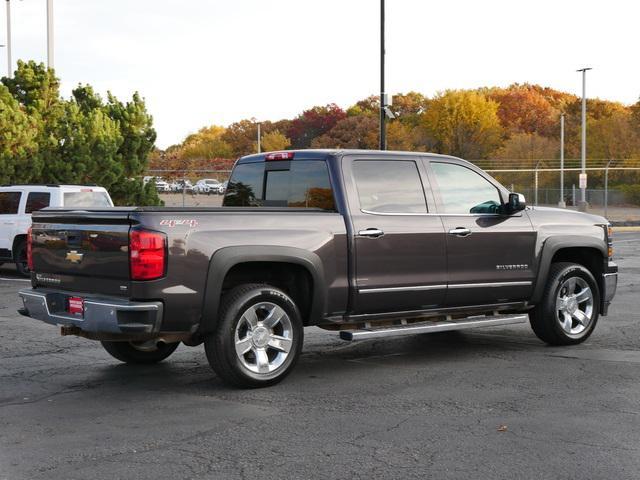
<point x="263" y="337"/>
<point x="574" y="306"/>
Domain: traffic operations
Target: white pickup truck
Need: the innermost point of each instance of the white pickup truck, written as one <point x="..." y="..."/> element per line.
<point x="18" y="201"/>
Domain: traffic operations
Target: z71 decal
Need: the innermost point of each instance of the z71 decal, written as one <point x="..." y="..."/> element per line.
<point x="178" y="222"/>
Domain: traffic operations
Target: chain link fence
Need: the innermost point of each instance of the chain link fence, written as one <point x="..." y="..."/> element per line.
<point x="613" y="186"/>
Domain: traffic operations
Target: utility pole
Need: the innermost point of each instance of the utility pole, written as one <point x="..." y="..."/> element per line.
<point x="9" y="63"/>
<point x="259" y="146"/>
<point x="562" y="203"/>
<point x="383" y="113"/>
<point x="582" y="204"/>
<point x="49" y="33"/>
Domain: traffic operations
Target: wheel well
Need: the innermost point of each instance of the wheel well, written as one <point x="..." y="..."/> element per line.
<point x="291" y="278"/>
<point x="590" y="258"/>
<point x="16" y="242"/>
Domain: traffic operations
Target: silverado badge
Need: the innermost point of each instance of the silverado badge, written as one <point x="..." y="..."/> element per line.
<point x="74" y="257"/>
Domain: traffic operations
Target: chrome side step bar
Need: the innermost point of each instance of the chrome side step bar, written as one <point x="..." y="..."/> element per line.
<point x="434" y="326"/>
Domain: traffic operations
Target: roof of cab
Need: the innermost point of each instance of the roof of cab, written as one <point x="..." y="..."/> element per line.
<point x="320" y="154"/>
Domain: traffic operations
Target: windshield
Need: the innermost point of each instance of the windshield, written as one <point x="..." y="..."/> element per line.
<point x="86" y="199"/>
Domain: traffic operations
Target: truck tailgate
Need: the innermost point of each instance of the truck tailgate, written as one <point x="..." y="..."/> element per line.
<point x="82" y="250"/>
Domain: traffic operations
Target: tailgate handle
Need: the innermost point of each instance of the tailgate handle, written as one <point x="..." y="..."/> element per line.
<point x="74" y="240"/>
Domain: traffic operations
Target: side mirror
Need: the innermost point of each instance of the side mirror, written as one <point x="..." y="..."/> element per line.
<point x="516" y="202"/>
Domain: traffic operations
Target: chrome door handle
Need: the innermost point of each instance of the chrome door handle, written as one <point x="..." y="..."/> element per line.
<point x="460" y="232"/>
<point x="371" y="232"/>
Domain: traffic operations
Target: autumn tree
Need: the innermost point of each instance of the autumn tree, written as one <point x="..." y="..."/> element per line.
<point x="313" y="123"/>
<point x="242" y="136"/>
<point x="523" y="109"/>
<point x="613" y="137"/>
<point x="352" y="132"/>
<point x="528" y="146"/>
<point x="208" y="142"/>
<point x="463" y="123"/>
<point x="274" y="141"/>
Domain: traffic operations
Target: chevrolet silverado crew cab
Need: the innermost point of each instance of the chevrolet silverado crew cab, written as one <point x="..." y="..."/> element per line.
<point x="18" y="202"/>
<point x="369" y="244"/>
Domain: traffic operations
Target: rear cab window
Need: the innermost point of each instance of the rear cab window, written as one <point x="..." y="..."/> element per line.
<point x="86" y="199"/>
<point x="281" y="183"/>
<point x="9" y="203"/>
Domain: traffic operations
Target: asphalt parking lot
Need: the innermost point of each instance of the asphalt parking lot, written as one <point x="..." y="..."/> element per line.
<point x="493" y="403"/>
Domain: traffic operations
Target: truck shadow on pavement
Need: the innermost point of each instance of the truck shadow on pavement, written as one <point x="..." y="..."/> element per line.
<point x="326" y="363"/>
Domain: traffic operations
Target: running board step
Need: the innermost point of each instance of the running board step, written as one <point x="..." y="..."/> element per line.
<point x="435" y="326"/>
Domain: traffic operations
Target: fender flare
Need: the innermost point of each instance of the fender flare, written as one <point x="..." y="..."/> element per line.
<point x="225" y="259"/>
<point x="551" y="247"/>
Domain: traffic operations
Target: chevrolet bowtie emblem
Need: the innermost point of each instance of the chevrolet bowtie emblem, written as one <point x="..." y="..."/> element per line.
<point x="74" y="257"/>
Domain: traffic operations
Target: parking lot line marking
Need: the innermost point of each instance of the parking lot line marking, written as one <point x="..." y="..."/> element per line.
<point x="15" y="279"/>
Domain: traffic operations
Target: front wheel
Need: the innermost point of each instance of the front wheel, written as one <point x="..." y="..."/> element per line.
<point x="258" y="338"/>
<point x="570" y="306"/>
<point x="140" y="352"/>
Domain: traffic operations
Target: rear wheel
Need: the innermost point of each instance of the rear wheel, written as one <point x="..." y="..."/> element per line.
<point x="569" y="309"/>
<point x="140" y="352"/>
<point x="258" y="338"/>
<point x="20" y="258"/>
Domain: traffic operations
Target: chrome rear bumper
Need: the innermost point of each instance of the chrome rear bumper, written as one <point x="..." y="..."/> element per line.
<point x="101" y="315"/>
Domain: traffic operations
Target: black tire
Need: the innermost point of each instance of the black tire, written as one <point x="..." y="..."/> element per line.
<point x="20" y="259"/>
<point x="220" y="346"/>
<point x="128" y="352"/>
<point x="545" y="317"/>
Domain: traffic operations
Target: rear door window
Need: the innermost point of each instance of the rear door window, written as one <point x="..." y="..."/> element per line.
<point x="389" y="186"/>
<point x="301" y="184"/>
<point x="37" y="201"/>
<point x="9" y="203"/>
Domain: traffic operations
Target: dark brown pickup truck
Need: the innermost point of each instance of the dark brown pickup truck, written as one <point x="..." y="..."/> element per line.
<point x="370" y="244"/>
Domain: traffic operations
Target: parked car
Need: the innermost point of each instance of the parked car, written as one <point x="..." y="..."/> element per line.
<point x="182" y="185"/>
<point x="371" y="244"/>
<point x="207" y="185"/>
<point x="18" y="202"/>
<point x="162" y="186"/>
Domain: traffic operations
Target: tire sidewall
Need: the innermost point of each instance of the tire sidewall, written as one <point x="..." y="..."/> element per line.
<point x="226" y="333"/>
<point x="21" y="252"/>
<point x="564" y="275"/>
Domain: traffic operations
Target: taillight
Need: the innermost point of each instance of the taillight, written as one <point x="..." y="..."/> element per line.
<point x="279" y="156"/>
<point x="147" y="254"/>
<point x="29" y="249"/>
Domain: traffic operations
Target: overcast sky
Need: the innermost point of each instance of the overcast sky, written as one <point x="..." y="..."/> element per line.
<point x="201" y="62"/>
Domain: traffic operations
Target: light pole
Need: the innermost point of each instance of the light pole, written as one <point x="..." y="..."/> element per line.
<point x="582" y="204"/>
<point x="9" y="64"/>
<point x="259" y="146"/>
<point x="49" y="33"/>
<point x="562" y="203"/>
<point x="383" y="113"/>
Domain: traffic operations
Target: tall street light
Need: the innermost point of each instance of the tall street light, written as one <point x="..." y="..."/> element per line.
<point x="9" y="64"/>
<point x="582" y="204"/>
<point x="49" y="33"/>
<point x="383" y="133"/>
